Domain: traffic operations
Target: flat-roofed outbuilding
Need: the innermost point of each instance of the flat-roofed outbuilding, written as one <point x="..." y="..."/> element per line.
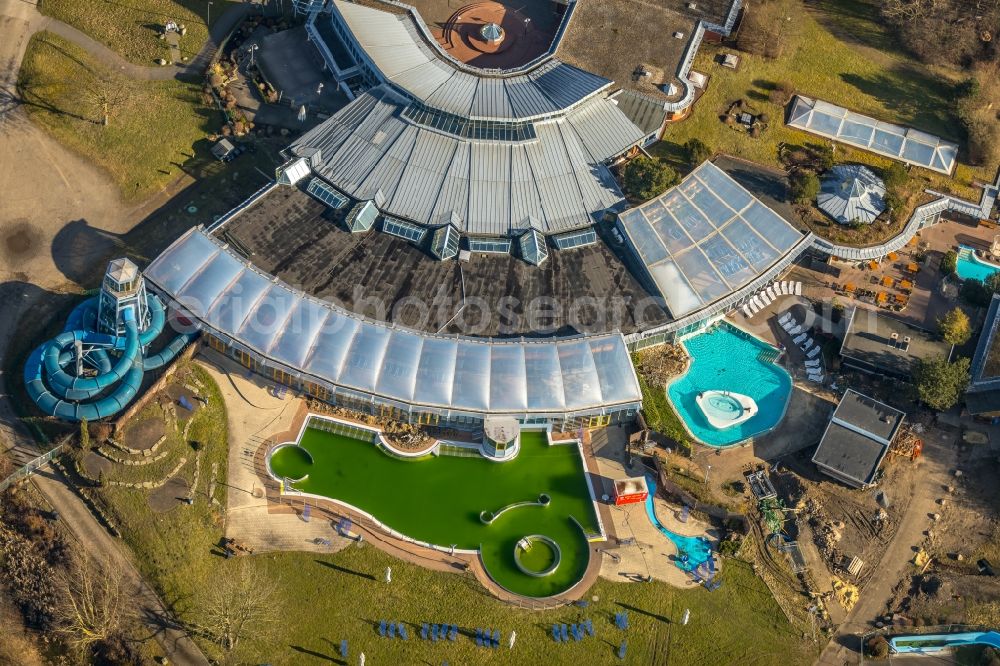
<point x="857" y="439"/>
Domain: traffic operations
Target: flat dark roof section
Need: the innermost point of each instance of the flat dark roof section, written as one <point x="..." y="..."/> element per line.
<point x="290" y="234"/>
<point x="614" y="38"/>
<point x="869" y="415"/>
<point x="857" y="438"/>
<point x="869" y="342"/>
<point x="851" y="456"/>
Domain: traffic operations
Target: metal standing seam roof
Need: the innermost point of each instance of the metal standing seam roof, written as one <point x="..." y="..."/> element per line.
<point x="706" y="238"/>
<point x="396" y="49"/>
<point x="553" y="376"/>
<point x="493" y="187"/>
<point x="852" y="192"/>
<point x="900" y="143"/>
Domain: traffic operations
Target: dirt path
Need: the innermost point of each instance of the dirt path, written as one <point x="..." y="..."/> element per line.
<point x="27" y="11"/>
<point x="47" y="188"/>
<point x="932" y="475"/>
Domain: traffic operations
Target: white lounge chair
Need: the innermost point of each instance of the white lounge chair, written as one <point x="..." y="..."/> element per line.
<point x="817" y="378"/>
<point x="782" y="288"/>
<point x="795" y="331"/>
<point x="746" y="310"/>
<point x="815" y="363"/>
<point x="798" y="288"/>
<point x="785" y="318"/>
<point x="800" y="338"/>
<point x="807" y="345"/>
<point x="814" y="353"/>
<point x="755" y="304"/>
<point x="770" y="291"/>
<point x="754" y="308"/>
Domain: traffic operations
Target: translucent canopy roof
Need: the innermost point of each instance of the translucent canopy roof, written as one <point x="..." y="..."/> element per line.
<point x="900" y="143"/>
<point x="312" y="337"/>
<point x="851" y="192"/>
<point x="706" y="238"/>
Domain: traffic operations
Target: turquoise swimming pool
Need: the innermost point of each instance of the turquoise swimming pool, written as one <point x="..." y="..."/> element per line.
<point x="969" y="266"/>
<point x="692" y="551"/>
<point x="725" y="358"/>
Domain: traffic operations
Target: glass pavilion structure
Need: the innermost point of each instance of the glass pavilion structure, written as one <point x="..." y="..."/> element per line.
<point x="708" y="240"/>
<point x="899" y="143"/>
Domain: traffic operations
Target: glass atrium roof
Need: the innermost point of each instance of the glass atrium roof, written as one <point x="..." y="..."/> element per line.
<point x="479" y="376"/>
<point x="900" y="143"/>
<point x="705" y="238"/>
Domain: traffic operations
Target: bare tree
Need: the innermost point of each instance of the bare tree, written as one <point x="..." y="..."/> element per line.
<point x="106" y="94"/>
<point x="237" y="604"/>
<point x="909" y="10"/>
<point x="95" y="605"/>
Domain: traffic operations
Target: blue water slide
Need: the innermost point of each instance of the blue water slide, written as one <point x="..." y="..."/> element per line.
<point x="932" y="643"/>
<point x="84" y="388"/>
<point x="65" y="396"/>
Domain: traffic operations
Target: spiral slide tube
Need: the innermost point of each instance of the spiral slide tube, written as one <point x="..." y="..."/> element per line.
<point x="63" y="395"/>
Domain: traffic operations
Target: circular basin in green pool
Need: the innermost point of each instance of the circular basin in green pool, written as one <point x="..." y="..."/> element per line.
<point x="536" y="555"/>
<point x="439" y="499"/>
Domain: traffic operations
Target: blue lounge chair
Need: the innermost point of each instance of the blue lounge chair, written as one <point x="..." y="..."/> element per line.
<point x="453" y="634"/>
<point x="479" y="638"/>
<point x="555" y="633"/>
<point x="624" y="619"/>
<point x="496" y="638"/>
<point x="565" y="634"/>
<point x="343" y="648"/>
<point x="590" y="627"/>
<point x="403" y="633"/>
<point x="434" y="633"/>
<point x="621" y="650"/>
<point x="381" y="628"/>
<point x="392" y="630"/>
<point x="423" y="631"/>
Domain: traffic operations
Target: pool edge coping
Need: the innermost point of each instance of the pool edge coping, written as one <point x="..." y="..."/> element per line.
<point x="291" y="492"/>
<point x="687" y="367"/>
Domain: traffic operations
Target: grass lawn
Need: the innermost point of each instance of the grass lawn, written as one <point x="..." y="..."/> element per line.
<point x="842" y="54"/>
<point x="132" y="27"/>
<point x="324" y="599"/>
<point x="155" y="135"/>
<point x="438" y="499"/>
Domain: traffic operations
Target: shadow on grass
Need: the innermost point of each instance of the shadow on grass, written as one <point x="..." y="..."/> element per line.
<point x="661" y="618"/>
<point x="345" y="569"/>
<point x="907" y="91"/>
<point x="318" y="655"/>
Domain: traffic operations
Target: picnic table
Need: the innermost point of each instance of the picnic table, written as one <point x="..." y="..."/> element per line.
<point x="912" y="267"/>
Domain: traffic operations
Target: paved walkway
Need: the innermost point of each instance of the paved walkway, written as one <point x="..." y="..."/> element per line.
<point x="646" y="551"/>
<point x="192" y="69"/>
<point x="32" y="162"/>
<point x="260" y="517"/>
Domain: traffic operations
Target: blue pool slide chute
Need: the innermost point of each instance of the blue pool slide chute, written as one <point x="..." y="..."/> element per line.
<point x="95" y="367"/>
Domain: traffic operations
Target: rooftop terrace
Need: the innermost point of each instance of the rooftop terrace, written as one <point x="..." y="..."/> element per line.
<point x="615" y="38"/>
<point x="289" y="234"/>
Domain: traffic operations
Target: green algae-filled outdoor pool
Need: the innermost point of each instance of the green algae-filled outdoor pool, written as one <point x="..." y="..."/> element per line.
<point x="439" y="499"/>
